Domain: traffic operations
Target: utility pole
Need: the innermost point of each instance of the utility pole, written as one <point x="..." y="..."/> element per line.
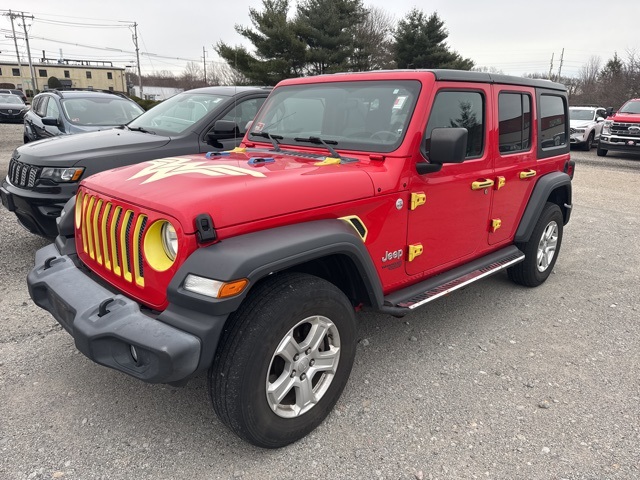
<point x="551" y="67"/>
<point x="26" y="39"/>
<point x="15" y="42"/>
<point x="204" y="65"/>
<point x="560" y="68"/>
<point x="135" y="42"/>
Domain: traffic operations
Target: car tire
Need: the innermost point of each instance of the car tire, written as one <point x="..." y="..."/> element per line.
<point x="601" y="152"/>
<point x="541" y="250"/>
<point x="283" y="360"/>
<point x="589" y="143"/>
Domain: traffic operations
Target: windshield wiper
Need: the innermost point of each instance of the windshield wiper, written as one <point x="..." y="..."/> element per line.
<point x="319" y="141"/>
<point x="139" y="129"/>
<point x="273" y="138"/>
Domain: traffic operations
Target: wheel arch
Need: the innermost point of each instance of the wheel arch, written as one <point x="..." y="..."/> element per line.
<point x="330" y="249"/>
<point x="554" y="187"/>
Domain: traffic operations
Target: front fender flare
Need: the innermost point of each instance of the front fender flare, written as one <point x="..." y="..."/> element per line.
<point x="256" y="255"/>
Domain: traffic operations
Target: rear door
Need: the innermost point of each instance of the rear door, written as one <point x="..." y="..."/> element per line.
<point x="515" y="159"/>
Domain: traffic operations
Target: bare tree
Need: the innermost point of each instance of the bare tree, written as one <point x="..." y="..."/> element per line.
<point x="373" y="39"/>
<point x="192" y="76"/>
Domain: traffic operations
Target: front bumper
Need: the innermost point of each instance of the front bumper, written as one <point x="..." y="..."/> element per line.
<point x="37" y="211"/>
<point x="105" y="331"/>
<point x="614" y="142"/>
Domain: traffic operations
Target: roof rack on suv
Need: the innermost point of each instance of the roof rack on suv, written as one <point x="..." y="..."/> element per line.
<point x="60" y="92"/>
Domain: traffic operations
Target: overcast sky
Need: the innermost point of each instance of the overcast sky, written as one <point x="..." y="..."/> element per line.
<point x="513" y="36"/>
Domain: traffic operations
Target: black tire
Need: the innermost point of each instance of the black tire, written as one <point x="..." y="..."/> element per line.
<point x="537" y="266"/>
<point x="601" y="151"/>
<point x="589" y="143"/>
<point x="246" y="359"/>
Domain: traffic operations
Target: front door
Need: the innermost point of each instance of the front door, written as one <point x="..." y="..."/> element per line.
<point x="449" y="211"/>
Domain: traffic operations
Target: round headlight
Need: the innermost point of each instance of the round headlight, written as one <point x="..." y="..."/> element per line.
<point x="169" y="240"/>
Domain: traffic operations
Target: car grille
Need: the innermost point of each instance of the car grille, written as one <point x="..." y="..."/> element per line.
<point x="23" y="175"/>
<point x="626" y="129"/>
<point x="112" y="236"/>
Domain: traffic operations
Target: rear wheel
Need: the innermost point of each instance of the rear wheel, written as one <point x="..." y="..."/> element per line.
<point x="541" y="251"/>
<point x="283" y="360"/>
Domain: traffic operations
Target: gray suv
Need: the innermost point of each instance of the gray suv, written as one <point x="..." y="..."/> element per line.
<point x="43" y="175"/>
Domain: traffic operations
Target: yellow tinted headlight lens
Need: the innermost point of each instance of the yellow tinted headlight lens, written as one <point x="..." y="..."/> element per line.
<point x="161" y="245"/>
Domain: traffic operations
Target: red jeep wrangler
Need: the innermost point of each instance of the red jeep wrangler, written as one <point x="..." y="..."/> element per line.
<point x="381" y="190"/>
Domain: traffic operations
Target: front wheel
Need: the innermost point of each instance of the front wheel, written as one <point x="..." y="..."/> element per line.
<point x="541" y="251"/>
<point x="601" y="151"/>
<point x="284" y="359"/>
<point x="589" y="143"/>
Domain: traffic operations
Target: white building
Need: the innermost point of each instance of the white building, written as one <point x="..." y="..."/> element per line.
<point x="155" y="93"/>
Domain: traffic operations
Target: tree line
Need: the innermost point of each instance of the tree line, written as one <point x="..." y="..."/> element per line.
<point x="327" y="36"/>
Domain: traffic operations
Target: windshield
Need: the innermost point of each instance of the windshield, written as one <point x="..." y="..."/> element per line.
<point x="11" y="99"/>
<point x="581" y="114"/>
<point x="176" y="114"/>
<point x="631" y="107"/>
<point x="100" y="111"/>
<point x="365" y="115"/>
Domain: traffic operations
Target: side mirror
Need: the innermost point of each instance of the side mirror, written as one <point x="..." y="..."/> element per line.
<point x="224" y="129"/>
<point x="599" y="119"/>
<point x="446" y="145"/>
<point x="51" y="121"/>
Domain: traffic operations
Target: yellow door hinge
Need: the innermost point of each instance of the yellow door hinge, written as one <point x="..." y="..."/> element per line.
<point x="417" y="199"/>
<point x="496" y="223"/>
<point x="415" y="251"/>
<point x="500" y="182"/>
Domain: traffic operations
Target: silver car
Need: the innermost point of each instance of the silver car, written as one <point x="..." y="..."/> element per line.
<point x="586" y="125"/>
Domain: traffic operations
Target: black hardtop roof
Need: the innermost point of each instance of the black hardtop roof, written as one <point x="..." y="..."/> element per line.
<point x="483" y="77"/>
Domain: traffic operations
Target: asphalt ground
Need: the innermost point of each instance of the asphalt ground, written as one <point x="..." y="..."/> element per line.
<point x="495" y="381"/>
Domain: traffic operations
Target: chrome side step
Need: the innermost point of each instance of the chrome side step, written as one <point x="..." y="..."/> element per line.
<point x="443" y="284"/>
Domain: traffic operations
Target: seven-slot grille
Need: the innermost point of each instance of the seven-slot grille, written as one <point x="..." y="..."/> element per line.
<point x="23" y="175"/>
<point x="112" y="236"/>
<point x="625" y="129"/>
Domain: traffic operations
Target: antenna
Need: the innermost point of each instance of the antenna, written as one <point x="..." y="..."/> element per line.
<point x="551" y="66"/>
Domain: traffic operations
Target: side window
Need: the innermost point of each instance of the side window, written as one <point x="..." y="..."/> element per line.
<point x="552" y="121"/>
<point x="459" y="109"/>
<point x="514" y="122"/>
<point x="244" y="112"/>
<point x="52" y="109"/>
<point x="41" y="108"/>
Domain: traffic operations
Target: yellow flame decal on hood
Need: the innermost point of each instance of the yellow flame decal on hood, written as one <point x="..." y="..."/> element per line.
<point x="169" y="167"/>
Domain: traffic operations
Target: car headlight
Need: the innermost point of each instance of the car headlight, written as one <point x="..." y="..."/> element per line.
<point x="161" y="245"/>
<point x="62" y="175"/>
<point x="606" y="127"/>
<point x="579" y="130"/>
<point x="169" y="240"/>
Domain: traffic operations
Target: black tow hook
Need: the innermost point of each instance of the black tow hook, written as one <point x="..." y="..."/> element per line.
<point x="102" y="309"/>
<point x="48" y="262"/>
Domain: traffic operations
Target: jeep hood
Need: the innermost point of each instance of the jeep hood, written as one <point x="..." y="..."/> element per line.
<point x="67" y="150"/>
<point x="235" y="188"/>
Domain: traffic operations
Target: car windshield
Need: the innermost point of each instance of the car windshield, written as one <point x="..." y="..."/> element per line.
<point x="11" y="99"/>
<point x="581" y="114"/>
<point x="363" y="115"/>
<point x="631" y="107"/>
<point x="100" y="111"/>
<point x="178" y="113"/>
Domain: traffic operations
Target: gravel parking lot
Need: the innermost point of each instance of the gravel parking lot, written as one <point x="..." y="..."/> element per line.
<point x="495" y="381"/>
